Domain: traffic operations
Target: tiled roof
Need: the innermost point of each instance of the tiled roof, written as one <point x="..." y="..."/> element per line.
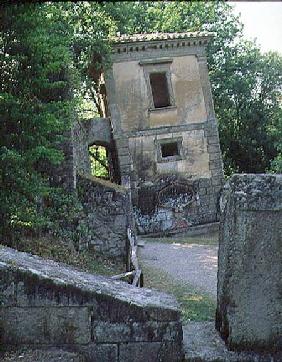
<point x="160" y="36"/>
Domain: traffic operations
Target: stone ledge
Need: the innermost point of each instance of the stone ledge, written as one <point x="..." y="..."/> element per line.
<point x="202" y="343"/>
<point x="44" y="304"/>
<point x="73" y="282"/>
<point x="191" y="231"/>
<point x="100" y="182"/>
<point x="254" y="192"/>
<point x="42" y="355"/>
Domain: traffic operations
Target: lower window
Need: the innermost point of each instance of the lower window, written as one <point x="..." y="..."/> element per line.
<point x="170" y="149"/>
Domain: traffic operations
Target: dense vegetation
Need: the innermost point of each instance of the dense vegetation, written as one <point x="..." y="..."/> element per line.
<point x="50" y="57"/>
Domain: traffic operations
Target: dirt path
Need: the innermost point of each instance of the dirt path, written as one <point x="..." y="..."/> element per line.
<point x="191" y="264"/>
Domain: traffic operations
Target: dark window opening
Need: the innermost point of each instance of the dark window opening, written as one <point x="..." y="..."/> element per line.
<point x="160" y="91"/>
<point x="169" y="149"/>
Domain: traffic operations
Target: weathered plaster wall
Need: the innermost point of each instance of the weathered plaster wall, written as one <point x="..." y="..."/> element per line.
<point x="133" y="95"/>
<point x="249" y="308"/>
<point x="47" y="304"/>
<point x="147" y="160"/>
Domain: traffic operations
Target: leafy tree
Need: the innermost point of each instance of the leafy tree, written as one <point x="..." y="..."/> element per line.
<point x="35" y="109"/>
<point x="247" y="106"/>
<point x="50" y="56"/>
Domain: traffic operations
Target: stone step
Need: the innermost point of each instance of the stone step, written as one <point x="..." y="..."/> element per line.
<point x="46" y="355"/>
<point x="202" y="343"/>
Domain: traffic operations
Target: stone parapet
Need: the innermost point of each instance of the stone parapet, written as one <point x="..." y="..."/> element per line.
<point x="49" y="304"/>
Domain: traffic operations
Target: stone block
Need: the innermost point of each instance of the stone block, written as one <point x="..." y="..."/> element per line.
<point x="211" y="132"/>
<point x="202" y="191"/>
<point x="124" y="160"/>
<point x="43" y="325"/>
<point x="136" y="332"/>
<point x="213" y="148"/>
<point x="217" y="172"/>
<point x="109" y="312"/>
<point x="8" y="294"/>
<point x="99" y="352"/>
<point x="42" y="355"/>
<point x="121" y="142"/>
<point x="217" y="181"/>
<point x="100" y="200"/>
<point x="123" y="151"/>
<point x="202" y="343"/>
<point x="139" y="352"/>
<point x="150" y="352"/>
<point x="215" y="163"/>
<point x="249" y="308"/>
<point x="213" y="140"/>
<point x="215" y="156"/>
<point x="204" y="182"/>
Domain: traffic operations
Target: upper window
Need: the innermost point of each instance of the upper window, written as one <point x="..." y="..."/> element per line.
<point x="160" y="92"/>
<point x="157" y="74"/>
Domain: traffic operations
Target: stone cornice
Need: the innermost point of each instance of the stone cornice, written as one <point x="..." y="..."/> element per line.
<point x="139" y="43"/>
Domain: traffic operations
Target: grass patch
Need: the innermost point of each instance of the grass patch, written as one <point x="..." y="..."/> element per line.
<point x="194" y="306"/>
<point x="50" y="248"/>
<point x="206" y="239"/>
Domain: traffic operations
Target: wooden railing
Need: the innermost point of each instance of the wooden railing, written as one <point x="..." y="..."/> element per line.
<point x="134" y="276"/>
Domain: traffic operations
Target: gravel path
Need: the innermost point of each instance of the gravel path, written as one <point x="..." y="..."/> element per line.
<point x="188" y="263"/>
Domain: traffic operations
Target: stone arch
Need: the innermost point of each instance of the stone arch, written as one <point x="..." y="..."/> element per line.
<point x="97" y="131"/>
<point x="103" y="155"/>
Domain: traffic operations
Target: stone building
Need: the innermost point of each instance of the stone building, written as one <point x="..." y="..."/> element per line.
<point x="156" y="99"/>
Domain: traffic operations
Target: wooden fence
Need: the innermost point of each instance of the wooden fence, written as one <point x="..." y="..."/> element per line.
<point x="135" y="275"/>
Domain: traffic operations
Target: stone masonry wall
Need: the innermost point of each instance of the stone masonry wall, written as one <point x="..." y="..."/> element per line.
<point x="106" y="208"/>
<point x="47" y="304"/>
<point x="249" y="308"/>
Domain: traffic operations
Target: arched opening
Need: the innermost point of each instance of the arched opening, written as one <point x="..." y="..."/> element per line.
<point x="102" y="162"/>
<point x="99" y="161"/>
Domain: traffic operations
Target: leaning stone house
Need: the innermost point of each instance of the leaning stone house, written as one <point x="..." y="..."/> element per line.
<point x="160" y="129"/>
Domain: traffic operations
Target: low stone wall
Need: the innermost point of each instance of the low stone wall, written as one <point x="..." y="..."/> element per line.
<point x="249" y="308"/>
<point x="107" y="215"/>
<point x="47" y="304"/>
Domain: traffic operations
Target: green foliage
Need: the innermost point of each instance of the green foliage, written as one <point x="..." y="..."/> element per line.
<point x="275" y="130"/>
<point x="247" y="107"/>
<point x="51" y="56"/>
<point x="99" y="162"/>
<point x="62" y="212"/>
<point x="35" y="109"/>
